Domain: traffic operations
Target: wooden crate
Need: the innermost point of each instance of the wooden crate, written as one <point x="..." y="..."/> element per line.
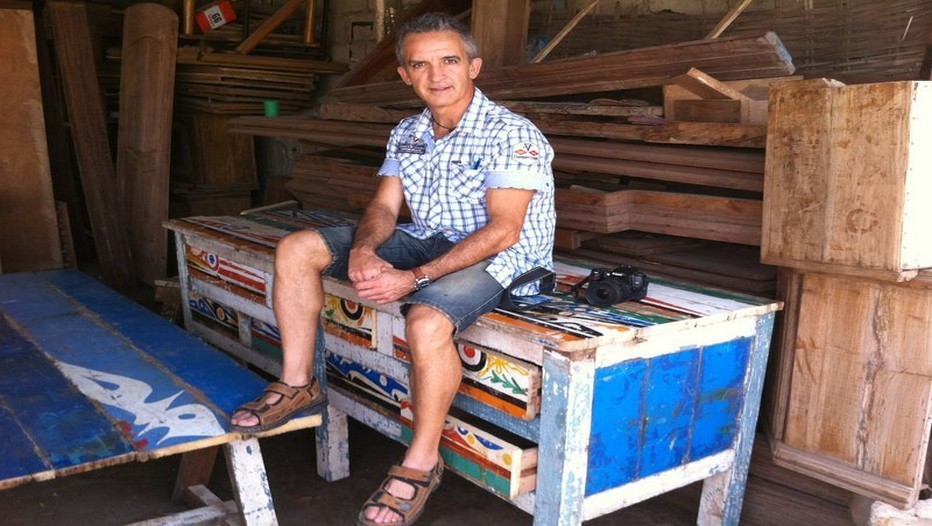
<point x="846" y="185"/>
<point x="851" y="382"/>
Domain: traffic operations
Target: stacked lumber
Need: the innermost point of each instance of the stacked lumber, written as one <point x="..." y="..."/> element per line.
<point x="622" y="165"/>
<point x="849" y="41"/>
<point x="726" y="58"/>
<point x="227" y="83"/>
<point x="238" y="84"/>
<point x="332" y="181"/>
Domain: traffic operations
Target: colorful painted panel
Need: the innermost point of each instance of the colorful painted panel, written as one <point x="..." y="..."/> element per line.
<point x="493" y="378"/>
<point x="241" y="228"/>
<point x="464" y="460"/>
<point x="265" y="338"/>
<point x="215" y="315"/>
<point x="656" y="414"/>
<point x="361" y="379"/>
<point x="241" y="275"/>
<point x="349" y="321"/>
<point x="486" y="458"/>
<point x="560" y="322"/>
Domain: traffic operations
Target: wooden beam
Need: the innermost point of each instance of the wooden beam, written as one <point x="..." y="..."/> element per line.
<point x="500" y="30"/>
<point x="269" y="25"/>
<point x="728" y="19"/>
<point x="143" y="167"/>
<point x="75" y="56"/>
<point x="707" y="86"/>
<point x="726" y="58"/>
<point x="542" y="54"/>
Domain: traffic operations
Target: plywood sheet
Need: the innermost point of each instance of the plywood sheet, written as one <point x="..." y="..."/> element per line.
<point x="28" y="224"/>
<point x="857" y="402"/>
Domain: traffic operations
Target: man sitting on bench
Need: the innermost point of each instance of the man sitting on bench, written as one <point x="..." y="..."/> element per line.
<point x="478" y="182"/>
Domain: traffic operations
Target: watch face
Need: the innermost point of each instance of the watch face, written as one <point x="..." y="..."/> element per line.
<point x="421" y="282"/>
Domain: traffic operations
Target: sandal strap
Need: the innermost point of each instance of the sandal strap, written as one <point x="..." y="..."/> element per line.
<point x="290" y="395"/>
<point x="384" y="499"/>
<point x="411" y="476"/>
<point x="422" y="482"/>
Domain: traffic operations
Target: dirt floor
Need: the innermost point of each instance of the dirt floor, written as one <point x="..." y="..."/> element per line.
<point x="135" y="492"/>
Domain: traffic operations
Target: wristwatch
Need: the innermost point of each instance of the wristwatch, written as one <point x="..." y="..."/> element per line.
<point x="420" y="279"/>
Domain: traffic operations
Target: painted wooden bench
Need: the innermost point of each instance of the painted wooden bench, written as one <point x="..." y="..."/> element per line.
<point x="567" y="411"/>
<point x="90" y="379"/>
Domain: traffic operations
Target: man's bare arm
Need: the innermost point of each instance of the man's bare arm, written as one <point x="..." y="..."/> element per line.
<point x="507" y="208"/>
<point x="376" y="226"/>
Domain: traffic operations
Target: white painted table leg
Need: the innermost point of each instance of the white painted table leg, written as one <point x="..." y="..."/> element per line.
<point x="333" y="446"/>
<point x="333" y="434"/>
<point x="723" y="494"/>
<point x="565" y="420"/>
<point x="250" y="483"/>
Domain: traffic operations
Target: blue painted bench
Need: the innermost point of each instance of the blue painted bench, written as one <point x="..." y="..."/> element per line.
<point x="90" y="379"/>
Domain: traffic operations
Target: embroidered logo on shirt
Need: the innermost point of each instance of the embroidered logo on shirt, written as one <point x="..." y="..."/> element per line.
<point x="525" y="152"/>
<point x="412" y="145"/>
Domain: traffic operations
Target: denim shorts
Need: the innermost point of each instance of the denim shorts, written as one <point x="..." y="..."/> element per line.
<point x="462" y="296"/>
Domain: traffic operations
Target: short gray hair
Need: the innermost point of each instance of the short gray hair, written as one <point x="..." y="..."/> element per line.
<point x="430" y="22"/>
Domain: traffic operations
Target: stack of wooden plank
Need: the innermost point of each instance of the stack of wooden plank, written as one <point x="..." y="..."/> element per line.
<point x="620" y="164"/>
<point x="847" y="216"/>
<point x="230" y="83"/>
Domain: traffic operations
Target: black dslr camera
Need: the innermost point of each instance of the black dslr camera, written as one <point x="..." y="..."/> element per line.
<point x="610" y="286"/>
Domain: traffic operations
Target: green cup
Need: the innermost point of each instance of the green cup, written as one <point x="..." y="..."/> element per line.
<point x="270" y="107"/>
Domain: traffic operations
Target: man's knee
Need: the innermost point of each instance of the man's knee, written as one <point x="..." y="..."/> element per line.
<point x="427" y="327"/>
<point x="305" y="248"/>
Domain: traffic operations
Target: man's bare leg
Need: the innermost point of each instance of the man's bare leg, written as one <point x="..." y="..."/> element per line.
<point x="435" y="377"/>
<point x="297" y="298"/>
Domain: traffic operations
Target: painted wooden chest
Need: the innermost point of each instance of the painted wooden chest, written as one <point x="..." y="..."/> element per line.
<point x="566" y="410"/>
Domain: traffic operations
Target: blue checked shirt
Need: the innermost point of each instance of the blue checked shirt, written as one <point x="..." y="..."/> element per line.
<point x="445" y="181"/>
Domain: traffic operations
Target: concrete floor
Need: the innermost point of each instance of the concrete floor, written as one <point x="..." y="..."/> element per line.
<point x="135" y="492"/>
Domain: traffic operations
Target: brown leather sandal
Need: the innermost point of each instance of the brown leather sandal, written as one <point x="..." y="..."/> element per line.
<point x="293" y="400"/>
<point x="423" y="482"/>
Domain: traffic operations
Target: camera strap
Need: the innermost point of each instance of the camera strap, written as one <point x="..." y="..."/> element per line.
<point x="548" y="281"/>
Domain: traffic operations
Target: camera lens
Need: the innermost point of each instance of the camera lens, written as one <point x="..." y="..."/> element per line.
<point x="604" y="293"/>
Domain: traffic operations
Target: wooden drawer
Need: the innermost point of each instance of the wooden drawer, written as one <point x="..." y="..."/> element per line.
<point x="489" y="456"/>
<point x="489" y="376"/>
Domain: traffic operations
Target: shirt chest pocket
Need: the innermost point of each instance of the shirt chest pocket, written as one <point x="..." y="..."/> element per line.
<point x="467" y="185"/>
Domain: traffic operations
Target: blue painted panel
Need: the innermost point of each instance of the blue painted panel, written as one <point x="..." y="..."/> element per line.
<point x="48" y="412"/>
<point x="149" y="405"/>
<point x="656" y="414"/>
<point x="19" y="457"/>
<point x="191" y="359"/>
<point x="617" y="425"/>
<point x="722" y="393"/>
<point x="670" y="400"/>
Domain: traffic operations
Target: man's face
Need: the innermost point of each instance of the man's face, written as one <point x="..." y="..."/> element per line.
<point x="438" y="68"/>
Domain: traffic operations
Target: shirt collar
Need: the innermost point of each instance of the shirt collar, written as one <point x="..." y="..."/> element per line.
<point x="476" y="108"/>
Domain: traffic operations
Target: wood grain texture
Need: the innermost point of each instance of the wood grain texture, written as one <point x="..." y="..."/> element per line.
<point x="858" y="394"/>
<point x="143" y="165"/>
<point x="75" y="56"/>
<point x="28" y="222"/>
<point x="843" y="183"/>
<point x="726" y="59"/>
